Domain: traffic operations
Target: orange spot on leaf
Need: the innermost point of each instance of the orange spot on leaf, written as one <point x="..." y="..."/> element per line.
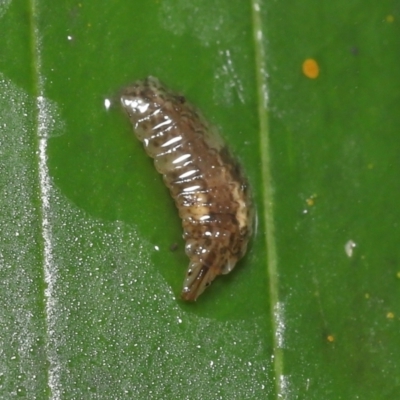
<point x="310" y="68"/>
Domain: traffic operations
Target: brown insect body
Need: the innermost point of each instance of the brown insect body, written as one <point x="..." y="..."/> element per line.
<point x="206" y="183"/>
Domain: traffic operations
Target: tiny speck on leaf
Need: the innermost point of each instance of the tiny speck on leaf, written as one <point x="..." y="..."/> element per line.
<point x="310" y="68"/>
<point x="173" y="247"/>
<point x="389" y="18"/>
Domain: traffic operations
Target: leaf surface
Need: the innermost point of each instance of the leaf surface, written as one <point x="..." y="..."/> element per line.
<point x="91" y="255"/>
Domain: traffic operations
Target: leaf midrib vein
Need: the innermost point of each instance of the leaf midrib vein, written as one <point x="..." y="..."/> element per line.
<point x="268" y="203"/>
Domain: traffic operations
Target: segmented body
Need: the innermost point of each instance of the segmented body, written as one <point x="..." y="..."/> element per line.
<point x="206" y="183"/>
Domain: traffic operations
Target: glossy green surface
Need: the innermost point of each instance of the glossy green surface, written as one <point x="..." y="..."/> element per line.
<point x="89" y="303"/>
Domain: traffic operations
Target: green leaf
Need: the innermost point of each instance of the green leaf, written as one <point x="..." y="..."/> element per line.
<point x="89" y="306"/>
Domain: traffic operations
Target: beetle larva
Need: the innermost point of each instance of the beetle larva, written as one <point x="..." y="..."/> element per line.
<point x="206" y="183"/>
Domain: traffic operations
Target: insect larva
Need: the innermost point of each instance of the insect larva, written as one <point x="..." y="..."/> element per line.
<point x="206" y="183"/>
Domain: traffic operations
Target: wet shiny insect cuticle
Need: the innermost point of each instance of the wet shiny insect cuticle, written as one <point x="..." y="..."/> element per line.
<point x="207" y="184"/>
